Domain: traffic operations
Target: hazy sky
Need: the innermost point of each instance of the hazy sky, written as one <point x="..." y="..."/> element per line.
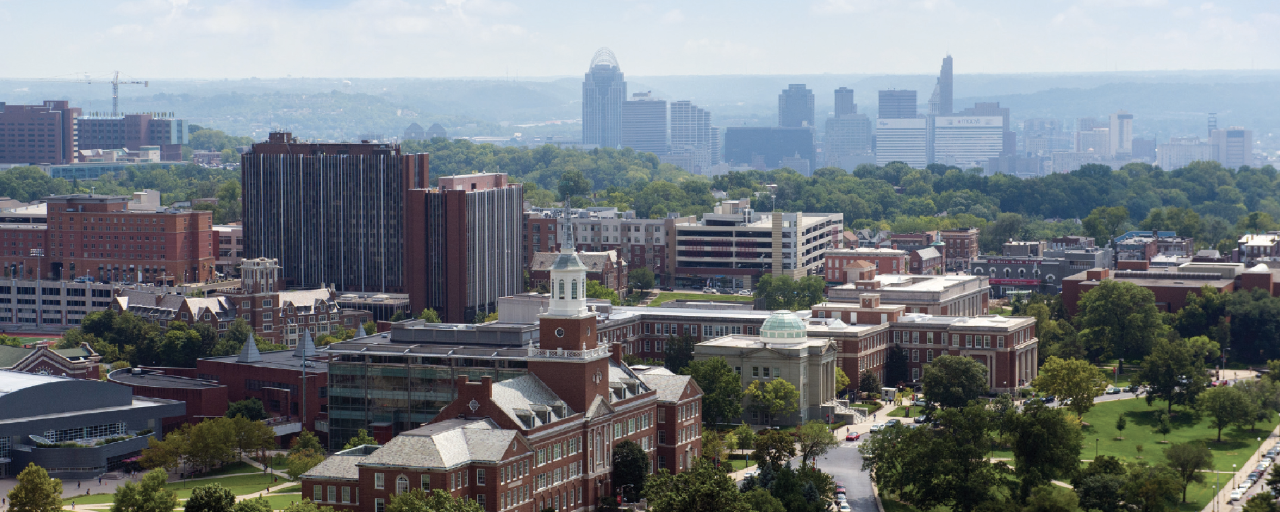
<point x="450" y="38"/>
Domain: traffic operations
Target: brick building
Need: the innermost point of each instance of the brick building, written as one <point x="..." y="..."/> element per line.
<point x="946" y="295"/>
<point x="79" y="362"/>
<point x="926" y="261"/>
<point x="961" y="247"/>
<point x="603" y="267"/>
<point x="914" y="241"/>
<point x="885" y="261"/>
<point x="133" y="131"/>
<point x="38" y="134"/>
<point x="528" y="442"/>
<point x="331" y="214"/>
<point x="641" y="243"/>
<point x="204" y="399"/>
<point x="865" y="331"/>
<point x="465" y="238"/>
<point x="1170" y="285"/>
<point x="99" y="236"/>
<point x="277" y="316"/>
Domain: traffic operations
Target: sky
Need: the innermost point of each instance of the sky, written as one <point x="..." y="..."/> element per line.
<point x="154" y="39"/>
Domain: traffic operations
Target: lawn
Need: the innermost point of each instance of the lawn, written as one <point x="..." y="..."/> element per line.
<point x="741" y="464"/>
<point x="234" y="468"/>
<point x="1236" y="447"/>
<point x="289" y="489"/>
<point x="282" y="501"/>
<point x="901" y="412"/>
<point x="670" y="296"/>
<point x="238" y="484"/>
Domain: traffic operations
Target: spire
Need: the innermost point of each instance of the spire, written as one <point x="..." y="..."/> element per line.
<point x="566" y="230"/>
<point x="306" y="347"/>
<point x="249" y="352"/>
<point x="360" y="331"/>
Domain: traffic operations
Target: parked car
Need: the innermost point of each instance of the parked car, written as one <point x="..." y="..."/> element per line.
<point x="844" y="507"/>
<point x="1112" y="390"/>
<point x="919" y="402"/>
<point x="1236" y="495"/>
<point x="877" y="427"/>
<point x="840" y="488"/>
<point x="841" y="497"/>
<point x="666" y="288"/>
<point x="852" y="436"/>
<point x="709" y="290"/>
<point x="745" y="293"/>
<point x="1049" y="399"/>
<point x="892" y="422"/>
<point x="923" y="418"/>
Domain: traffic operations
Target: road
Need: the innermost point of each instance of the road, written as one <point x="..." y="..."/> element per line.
<point x="844" y="464"/>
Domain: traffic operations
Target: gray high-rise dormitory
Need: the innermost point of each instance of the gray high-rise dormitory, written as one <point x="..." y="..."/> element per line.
<point x="795" y="107"/>
<point x="603" y="92"/>
<point x="644" y="123"/>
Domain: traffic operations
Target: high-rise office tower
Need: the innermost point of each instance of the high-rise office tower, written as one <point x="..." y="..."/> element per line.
<point x="795" y="106"/>
<point x="644" y="123"/>
<point x="844" y="103"/>
<point x="848" y="135"/>
<point x="901" y="140"/>
<point x="1232" y="147"/>
<point x="991" y="109"/>
<point x="693" y="140"/>
<point x="48" y="131"/>
<point x="895" y="104"/>
<point x="944" y="88"/>
<point x="1121" y="134"/>
<point x="331" y="214"/>
<point x="603" y="92"/>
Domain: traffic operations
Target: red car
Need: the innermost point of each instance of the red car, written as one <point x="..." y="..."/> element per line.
<point x="853" y="436"/>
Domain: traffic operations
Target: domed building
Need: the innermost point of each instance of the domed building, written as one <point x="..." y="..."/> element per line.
<point x="783" y="350"/>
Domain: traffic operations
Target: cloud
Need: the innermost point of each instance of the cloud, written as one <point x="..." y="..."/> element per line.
<point x="673" y="16"/>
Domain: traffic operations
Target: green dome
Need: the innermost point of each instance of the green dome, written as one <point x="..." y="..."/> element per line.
<point x="782" y="325"/>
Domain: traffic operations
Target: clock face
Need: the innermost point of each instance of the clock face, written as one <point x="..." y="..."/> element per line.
<point x="560" y="332"/>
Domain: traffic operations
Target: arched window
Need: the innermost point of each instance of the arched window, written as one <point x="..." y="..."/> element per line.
<point x="1006" y="272"/>
<point x="1035" y="273"/>
<point x="993" y="272"/>
<point x="562" y="288"/>
<point x="573" y="289"/>
<point x="1049" y="277"/>
<point x="402" y="484"/>
<point x="1022" y="272"/>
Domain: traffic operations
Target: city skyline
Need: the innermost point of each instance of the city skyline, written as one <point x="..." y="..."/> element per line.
<point x="499" y="39"/>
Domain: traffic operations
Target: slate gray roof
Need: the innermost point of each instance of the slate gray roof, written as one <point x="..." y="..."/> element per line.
<point x="446" y="444"/>
<point x="670" y="387"/>
<point x="928" y="253"/>
<point x="342" y="467"/>
<point x="593" y="261"/>
<point x="517" y="398"/>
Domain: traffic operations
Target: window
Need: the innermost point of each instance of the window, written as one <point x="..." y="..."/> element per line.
<point x="929" y="338"/>
<point x="930" y="356"/>
<point x="755" y="371"/>
<point x="662" y="415"/>
<point x="346" y="495"/>
<point x="915" y="356"/>
<point x="986" y="342"/>
<point x="379" y="481"/>
<point x="317" y="493"/>
<point x="402" y="485"/>
<point x="766" y="372"/>
<point x="915" y="374"/>
<point x="999" y="341"/>
<point x="480" y="476"/>
<point x="480" y="501"/>
<point x="266" y="303"/>
<point x="955" y="340"/>
<point x="915" y="337"/>
<point x="333" y="493"/>
<point x="968" y="341"/>
<point x="379" y="505"/>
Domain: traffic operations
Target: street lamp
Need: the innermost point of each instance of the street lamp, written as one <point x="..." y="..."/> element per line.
<point x="1095" y="449"/>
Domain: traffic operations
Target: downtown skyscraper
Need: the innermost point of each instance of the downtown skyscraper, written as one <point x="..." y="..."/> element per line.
<point x="603" y="92"/>
<point x="795" y="107"/>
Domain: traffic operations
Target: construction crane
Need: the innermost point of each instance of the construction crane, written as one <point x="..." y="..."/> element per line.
<point x="115" y="87"/>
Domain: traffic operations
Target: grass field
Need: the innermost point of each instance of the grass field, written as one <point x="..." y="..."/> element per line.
<point x="239" y="485"/>
<point x="670" y="296"/>
<point x="281" y="501"/>
<point x="741" y="464"/>
<point x="1236" y="447"/>
<point x="289" y="489"/>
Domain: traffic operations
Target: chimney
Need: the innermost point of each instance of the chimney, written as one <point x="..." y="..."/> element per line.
<point x="616" y="353"/>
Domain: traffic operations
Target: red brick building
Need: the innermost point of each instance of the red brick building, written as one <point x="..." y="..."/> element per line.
<point x="204" y="399"/>
<point x="98" y="236"/>
<point x="80" y="362"/>
<point x="604" y="267"/>
<point x="961" y="247"/>
<point x="1170" y="286"/>
<point x="926" y="261"/>
<point x="543" y="440"/>
<point x="38" y="134"/>
<point x="885" y="261"/>
<point x="274" y="315"/>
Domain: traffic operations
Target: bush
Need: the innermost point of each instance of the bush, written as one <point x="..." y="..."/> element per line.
<point x="144" y="432"/>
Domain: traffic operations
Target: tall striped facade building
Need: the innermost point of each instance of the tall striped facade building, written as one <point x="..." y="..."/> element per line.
<point x="331" y="214"/>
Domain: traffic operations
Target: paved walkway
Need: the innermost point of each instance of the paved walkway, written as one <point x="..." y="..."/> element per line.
<point x="1224" y="495"/>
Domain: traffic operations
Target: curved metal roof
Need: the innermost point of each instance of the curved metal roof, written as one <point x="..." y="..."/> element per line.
<point x="604" y="56"/>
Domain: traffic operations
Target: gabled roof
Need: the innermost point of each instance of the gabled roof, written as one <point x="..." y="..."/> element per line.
<point x="446" y="444"/>
<point x="522" y="396"/>
<point x="670" y="386"/>
<point x="592" y="261"/>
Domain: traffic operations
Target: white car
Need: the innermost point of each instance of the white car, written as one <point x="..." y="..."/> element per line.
<point x="844" y="507"/>
<point x="877" y="427"/>
<point x="1236" y="495"/>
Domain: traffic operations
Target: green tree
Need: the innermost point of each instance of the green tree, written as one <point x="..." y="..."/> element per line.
<point x="815" y="440"/>
<point x="774" y="398"/>
<point x="868" y="382"/>
<point x="1050" y="498"/>
<point x="261" y="504"/>
<point x="210" y="443"/>
<point x="210" y="498"/>
<point x="1174" y="372"/>
<point x="1187" y="460"/>
<point x="897" y="371"/>
<point x="773" y="448"/>
<point x="417" y="500"/>
<point x="641" y="278"/>
<point x="919" y="465"/>
<point x="1226" y="406"/>
<point x="678" y="352"/>
<point x="703" y="488"/>
<point x="147" y="495"/>
<point x="1104" y="223"/>
<point x="1261" y="502"/>
<point x="759" y="500"/>
<point x="721" y="389"/>
<point x="630" y="467"/>
<point x="249" y="408"/>
<point x="362" y="438"/>
<point x="35" y="491"/>
<point x="251" y="436"/>
<point x="1075" y="379"/>
<point x="430" y="316"/>
<point x="300" y="463"/>
<point x="1273" y="482"/>
<point x="713" y="445"/>
<point x="746" y="437"/>
<point x="305" y="441"/>
<point x="1151" y="488"/>
<point x="1119" y="319"/>
<point x="573" y="183"/>
<point x="1121" y="423"/>
<point x="954" y="381"/>
<point x="842" y="381"/>
<point x="1046" y="446"/>
<point x="595" y="290"/>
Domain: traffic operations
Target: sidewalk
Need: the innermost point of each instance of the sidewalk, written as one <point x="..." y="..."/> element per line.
<point x="1239" y="476"/>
